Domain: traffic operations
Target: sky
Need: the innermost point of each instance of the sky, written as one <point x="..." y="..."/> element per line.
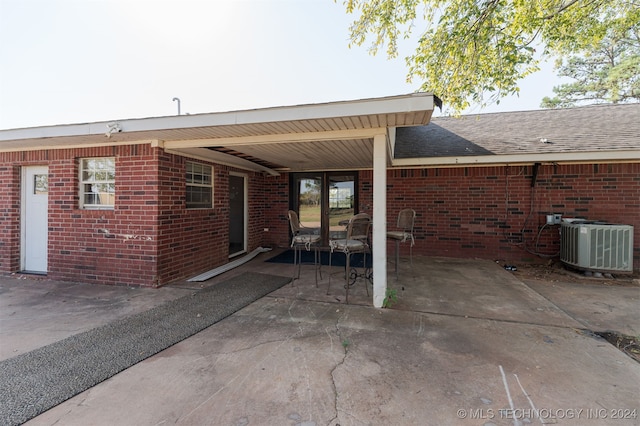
<point x="80" y="61"/>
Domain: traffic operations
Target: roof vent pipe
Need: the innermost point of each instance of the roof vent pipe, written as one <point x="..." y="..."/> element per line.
<point x="177" y="99"/>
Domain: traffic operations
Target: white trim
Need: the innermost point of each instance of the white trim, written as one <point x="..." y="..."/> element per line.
<point x="52" y="144"/>
<point x="278" y="138"/>
<point x="229" y="266"/>
<point x="393" y="104"/>
<point x="210" y="186"/>
<point x="23" y="219"/>
<point x="81" y="183"/>
<point x="626" y="156"/>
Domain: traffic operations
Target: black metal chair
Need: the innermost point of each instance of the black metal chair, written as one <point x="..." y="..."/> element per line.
<point x="304" y="237"/>
<point x="356" y="241"/>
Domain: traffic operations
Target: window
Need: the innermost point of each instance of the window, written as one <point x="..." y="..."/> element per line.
<point x="199" y="186"/>
<point x="97" y="183"/>
<point x="40" y="184"/>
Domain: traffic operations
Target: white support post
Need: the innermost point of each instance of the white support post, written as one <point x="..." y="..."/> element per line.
<point x="379" y="219"/>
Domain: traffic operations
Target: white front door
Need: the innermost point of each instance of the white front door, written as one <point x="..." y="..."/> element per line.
<point x="34" y="218"/>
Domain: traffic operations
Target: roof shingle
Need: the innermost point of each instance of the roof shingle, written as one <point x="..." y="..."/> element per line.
<point x="591" y="128"/>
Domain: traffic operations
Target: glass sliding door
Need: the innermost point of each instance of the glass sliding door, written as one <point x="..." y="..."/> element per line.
<point x="324" y="199"/>
<point x="308" y="200"/>
<point x="341" y="192"/>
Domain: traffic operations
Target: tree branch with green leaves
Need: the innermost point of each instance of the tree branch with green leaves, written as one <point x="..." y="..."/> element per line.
<point x="608" y="71"/>
<point x="476" y="52"/>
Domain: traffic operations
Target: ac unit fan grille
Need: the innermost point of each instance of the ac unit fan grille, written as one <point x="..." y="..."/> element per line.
<point x="597" y="247"/>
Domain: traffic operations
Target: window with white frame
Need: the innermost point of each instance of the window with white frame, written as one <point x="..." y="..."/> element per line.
<point x="199" y="186"/>
<point x="97" y="183"/>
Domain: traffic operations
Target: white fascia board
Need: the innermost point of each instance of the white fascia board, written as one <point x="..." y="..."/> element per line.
<point x="387" y="105"/>
<point x="17" y="146"/>
<point x="393" y="104"/>
<point x="329" y="135"/>
<point x="631" y="156"/>
<point x="60" y="130"/>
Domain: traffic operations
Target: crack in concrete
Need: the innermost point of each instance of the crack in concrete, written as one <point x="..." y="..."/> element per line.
<point x="486" y="318"/>
<point x="345" y="347"/>
<point x="553" y="304"/>
<point x="248" y="373"/>
<point x="300" y="333"/>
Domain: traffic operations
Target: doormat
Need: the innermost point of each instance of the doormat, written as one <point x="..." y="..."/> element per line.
<point x="33" y="382"/>
<point x="339" y="259"/>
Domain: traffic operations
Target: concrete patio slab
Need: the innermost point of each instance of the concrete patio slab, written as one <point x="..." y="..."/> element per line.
<point x="289" y="362"/>
<point x="35" y="311"/>
<point x="614" y="309"/>
<point x="473" y="288"/>
<point x="467" y="343"/>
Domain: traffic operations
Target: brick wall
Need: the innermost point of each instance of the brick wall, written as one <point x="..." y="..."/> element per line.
<point x="193" y="241"/>
<point x="276" y="205"/>
<point x="148" y="239"/>
<point x="496" y="213"/>
<point x="151" y="239"/>
<point x="115" y="246"/>
<point x="9" y="216"/>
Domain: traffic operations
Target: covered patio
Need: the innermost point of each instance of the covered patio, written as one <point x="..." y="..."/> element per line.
<point x="247" y="145"/>
<point x="353" y="135"/>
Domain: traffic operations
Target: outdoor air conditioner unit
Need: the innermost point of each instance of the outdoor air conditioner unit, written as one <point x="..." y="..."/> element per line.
<point x="596" y="246"/>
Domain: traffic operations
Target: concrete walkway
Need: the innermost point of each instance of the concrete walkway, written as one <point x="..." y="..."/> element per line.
<point x="468" y="343"/>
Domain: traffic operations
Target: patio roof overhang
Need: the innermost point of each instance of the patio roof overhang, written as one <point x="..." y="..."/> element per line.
<point x="329" y="136"/>
<point x="332" y="136"/>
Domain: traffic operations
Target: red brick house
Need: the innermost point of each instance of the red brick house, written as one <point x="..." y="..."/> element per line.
<point x="485" y="183"/>
<point x="151" y="201"/>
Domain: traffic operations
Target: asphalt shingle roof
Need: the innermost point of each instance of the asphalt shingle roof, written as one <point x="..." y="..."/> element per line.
<point x="581" y="129"/>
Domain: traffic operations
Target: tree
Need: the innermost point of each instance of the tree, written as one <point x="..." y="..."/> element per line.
<point x="607" y="72"/>
<point x="310" y="195"/>
<point x="476" y="51"/>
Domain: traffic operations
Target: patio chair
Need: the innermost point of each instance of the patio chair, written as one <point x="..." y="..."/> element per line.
<point x="404" y="233"/>
<point x="356" y="241"/>
<point x="304" y="237"/>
